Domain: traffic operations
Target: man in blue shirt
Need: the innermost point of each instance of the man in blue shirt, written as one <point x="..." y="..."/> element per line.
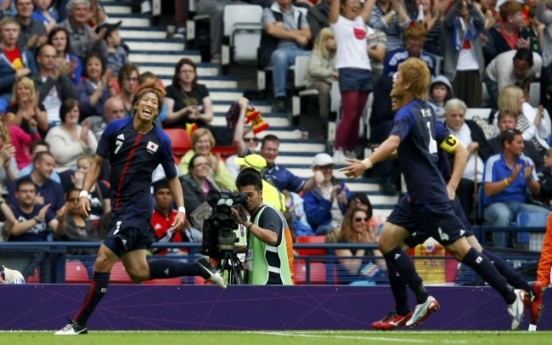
<point x="507" y="177"/>
<point x="279" y="176"/>
<point x="33" y="222"/>
<point x="135" y="147"/>
<point x="37" y="147"/>
<point x="47" y="191"/>
<point x="429" y="208"/>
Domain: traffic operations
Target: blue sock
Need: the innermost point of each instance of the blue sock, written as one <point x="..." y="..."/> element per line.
<point x="169" y="268"/>
<point x="483" y="266"/>
<point x="398" y="288"/>
<point x="94" y="296"/>
<point x="507" y="272"/>
<point x="405" y="267"/>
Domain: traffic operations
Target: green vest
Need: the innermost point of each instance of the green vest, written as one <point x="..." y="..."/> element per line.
<point x="256" y="262"/>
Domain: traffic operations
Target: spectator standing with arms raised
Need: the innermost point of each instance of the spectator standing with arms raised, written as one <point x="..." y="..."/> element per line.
<point x="354" y="70"/>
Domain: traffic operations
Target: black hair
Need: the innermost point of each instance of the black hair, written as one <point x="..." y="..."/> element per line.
<point x="40" y="156"/>
<point x="363" y="199"/>
<point x="97" y="55"/>
<point x="66" y="107"/>
<point x="192" y="161"/>
<point x="508" y="136"/>
<point x="250" y="177"/>
<point x="269" y="137"/>
<point x="524" y="55"/>
<point x="24" y="180"/>
<point x="161" y="184"/>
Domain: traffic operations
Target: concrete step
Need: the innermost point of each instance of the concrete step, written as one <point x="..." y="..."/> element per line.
<point x="214" y="83"/>
<point x="141" y="56"/>
<point x="203" y="69"/>
<point x="144" y="33"/>
<point x="161" y="46"/>
<point x="118" y="8"/>
<point x="130" y="20"/>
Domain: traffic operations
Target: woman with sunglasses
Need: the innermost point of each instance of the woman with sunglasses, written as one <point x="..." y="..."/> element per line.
<point x="355" y="264"/>
<point x="197" y="183"/>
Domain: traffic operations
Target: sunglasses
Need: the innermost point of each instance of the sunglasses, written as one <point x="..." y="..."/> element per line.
<point x="248" y="140"/>
<point x="362" y="219"/>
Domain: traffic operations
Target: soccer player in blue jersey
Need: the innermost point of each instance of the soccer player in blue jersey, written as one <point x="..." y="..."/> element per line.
<point x="413" y="136"/>
<point x="135" y="147"/>
<point x="402" y="313"/>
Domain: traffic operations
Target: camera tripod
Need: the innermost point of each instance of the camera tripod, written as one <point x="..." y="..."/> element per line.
<point x="231" y="268"/>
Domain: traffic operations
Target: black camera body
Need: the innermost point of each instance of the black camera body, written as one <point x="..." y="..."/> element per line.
<point x="219" y="229"/>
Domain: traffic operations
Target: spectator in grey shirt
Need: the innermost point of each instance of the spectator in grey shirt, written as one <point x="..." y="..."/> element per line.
<point x="83" y="37"/>
<point x="390" y="17"/>
<point x="33" y="33"/>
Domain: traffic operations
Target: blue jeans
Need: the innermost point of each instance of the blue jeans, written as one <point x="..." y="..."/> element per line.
<point x="503" y="214"/>
<point x="281" y="60"/>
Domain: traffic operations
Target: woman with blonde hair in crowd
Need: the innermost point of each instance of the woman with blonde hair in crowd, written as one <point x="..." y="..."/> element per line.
<point x="202" y="143"/>
<point x="530" y="122"/>
<point x="26" y="108"/>
<point x="321" y="72"/>
<point x="8" y="165"/>
<point x="354" y="264"/>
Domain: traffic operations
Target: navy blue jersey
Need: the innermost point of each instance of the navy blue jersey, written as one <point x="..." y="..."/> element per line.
<point x="418" y="153"/>
<point x="40" y="231"/>
<point x="133" y="157"/>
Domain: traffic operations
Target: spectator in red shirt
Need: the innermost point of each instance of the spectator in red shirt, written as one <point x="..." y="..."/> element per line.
<point x="162" y="218"/>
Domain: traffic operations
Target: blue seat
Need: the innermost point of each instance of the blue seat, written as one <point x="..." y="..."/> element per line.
<point x="526" y="219"/>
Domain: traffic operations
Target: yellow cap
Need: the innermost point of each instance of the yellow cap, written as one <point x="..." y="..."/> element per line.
<point x="254" y="161"/>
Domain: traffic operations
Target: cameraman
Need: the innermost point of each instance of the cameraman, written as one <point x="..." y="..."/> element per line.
<point x="266" y="260"/>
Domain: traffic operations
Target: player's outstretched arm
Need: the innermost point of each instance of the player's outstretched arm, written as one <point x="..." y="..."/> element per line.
<point x="386" y="148"/>
<point x="176" y="191"/>
<point x="89" y="180"/>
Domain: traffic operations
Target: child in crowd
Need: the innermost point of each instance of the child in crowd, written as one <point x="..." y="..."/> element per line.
<point x="43" y="14"/>
<point x="440" y="91"/>
<point x="117" y="52"/>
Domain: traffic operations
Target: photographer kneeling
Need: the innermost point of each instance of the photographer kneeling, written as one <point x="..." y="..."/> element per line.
<point x="266" y="261"/>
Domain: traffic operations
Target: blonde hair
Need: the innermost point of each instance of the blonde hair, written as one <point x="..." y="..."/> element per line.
<point x="87" y="157"/>
<point x="4" y="133"/>
<point x="198" y="133"/>
<point x="320" y="43"/>
<point x="28" y="84"/>
<point x="415" y="72"/>
<point x="508" y="99"/>
<point x="9" y="20"/>
<point x="416" y="30"/>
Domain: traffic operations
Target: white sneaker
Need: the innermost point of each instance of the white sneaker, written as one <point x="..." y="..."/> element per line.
<point x="339" y="157"/>
<point x="72" y="328"/>
<point x="211" y="272"/>
<point x="516" y="309"/>
<point x="423" y="310"/>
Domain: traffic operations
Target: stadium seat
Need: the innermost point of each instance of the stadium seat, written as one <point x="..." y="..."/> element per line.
<point x="311" y="239"/>
<point x="242" y="33"/>
<point x="76" y="272"/>
<point x="526" y="219"/>
<point x="119" y="275"/>
<point x="168" y="281"/>
<point x="180" y="140"/>
<point x="301" y="68"/>
<point x="317" y="273"/>
<point x="34" y="278"/>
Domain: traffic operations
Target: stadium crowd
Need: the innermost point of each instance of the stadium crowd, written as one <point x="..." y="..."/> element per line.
<point x="65" y="73"/>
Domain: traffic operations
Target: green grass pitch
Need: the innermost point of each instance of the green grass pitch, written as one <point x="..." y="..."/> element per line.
<point x="280" y="337"/>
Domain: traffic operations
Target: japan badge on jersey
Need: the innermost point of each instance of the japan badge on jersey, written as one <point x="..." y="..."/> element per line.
<point x="152" y="147"/>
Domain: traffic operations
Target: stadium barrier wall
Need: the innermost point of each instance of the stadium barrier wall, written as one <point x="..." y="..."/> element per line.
<point x="142" y="307"/>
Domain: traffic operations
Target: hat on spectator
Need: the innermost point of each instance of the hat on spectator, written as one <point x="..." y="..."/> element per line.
<point x="322" y="159"/>
<point x="109" y="28"/>
<point x="254" y="161"/>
